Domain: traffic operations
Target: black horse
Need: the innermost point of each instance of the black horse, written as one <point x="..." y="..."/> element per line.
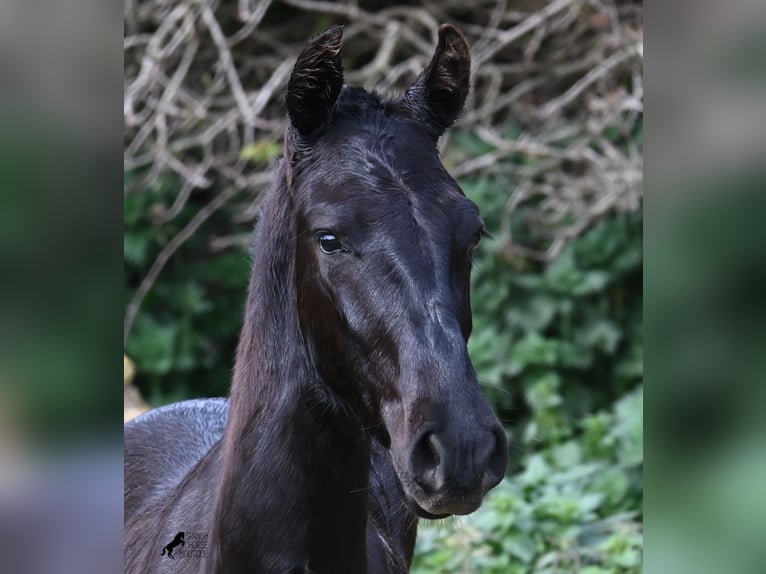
<point x="354" y="406"/>
<point x="177" y="539"/>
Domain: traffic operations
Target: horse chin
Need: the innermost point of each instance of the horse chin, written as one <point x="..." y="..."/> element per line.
<point x="437" y="506"/>
<point x="420" y="512"/>
<point x="457" y="508"/>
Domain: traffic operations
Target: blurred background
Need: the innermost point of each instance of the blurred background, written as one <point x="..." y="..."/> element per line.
<point x="550" y="147"/>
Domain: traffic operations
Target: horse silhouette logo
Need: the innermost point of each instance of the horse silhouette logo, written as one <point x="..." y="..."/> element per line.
<point x="179" y="539"/>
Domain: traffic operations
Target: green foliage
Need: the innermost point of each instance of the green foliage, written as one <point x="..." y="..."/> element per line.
<point x="575" y="507"/>
<point x="554" y="343"/>
<point x="183" y="339"/>
<point x="559" y="351"/>
<point x="261" y="152"/>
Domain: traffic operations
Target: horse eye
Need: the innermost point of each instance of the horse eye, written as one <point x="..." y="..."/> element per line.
<point x="477" y="239"/>
<point x="329" y="244"/>
<point x="475" y="244"/>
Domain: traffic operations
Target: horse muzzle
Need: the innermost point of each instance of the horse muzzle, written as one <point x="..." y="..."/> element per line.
<point x="450" y="472"/>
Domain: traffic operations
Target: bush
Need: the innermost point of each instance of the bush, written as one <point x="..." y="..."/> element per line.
<point x="575" y="507"/>
<point x="559" y="350"/>
<point x="184" y="336"/>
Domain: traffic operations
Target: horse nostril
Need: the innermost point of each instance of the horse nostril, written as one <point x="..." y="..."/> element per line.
<point x="468" y="467"/>
<point x="426" y="461"/>
<point x="497" y="462"/>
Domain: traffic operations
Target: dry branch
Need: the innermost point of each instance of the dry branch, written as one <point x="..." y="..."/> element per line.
<point x="205" y="79"/>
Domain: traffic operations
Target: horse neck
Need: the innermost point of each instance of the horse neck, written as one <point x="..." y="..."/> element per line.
<point x="293" y="488"/>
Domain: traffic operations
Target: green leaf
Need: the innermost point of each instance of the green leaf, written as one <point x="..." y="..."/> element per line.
<point x="629" y="427"/>
<point x="533" y="349"/>
<point x="521" y="546"/>
<point x="612" y="483"/>
<point x="135" y="247"/>
<point x="154" y="343"/>
<point x="261" y="152"/>
<point x="601" y="334"/>
<point x="567" y="454"/>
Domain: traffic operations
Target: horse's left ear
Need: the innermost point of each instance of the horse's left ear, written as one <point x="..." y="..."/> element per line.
<point x="316" y="82"/>
<point x="438" y="95"/>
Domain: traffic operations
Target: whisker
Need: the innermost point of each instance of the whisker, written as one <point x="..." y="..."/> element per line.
<point x="360" y="489"/>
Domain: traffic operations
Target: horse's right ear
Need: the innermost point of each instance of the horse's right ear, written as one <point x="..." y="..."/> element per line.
<point x="316" y="82"/>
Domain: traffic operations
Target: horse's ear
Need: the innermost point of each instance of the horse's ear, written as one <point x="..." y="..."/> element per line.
<point x="438" y="95"/>
<point x="315" y="82"/>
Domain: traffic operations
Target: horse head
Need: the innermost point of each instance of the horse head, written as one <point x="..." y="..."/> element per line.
<point x="383" y="263"/>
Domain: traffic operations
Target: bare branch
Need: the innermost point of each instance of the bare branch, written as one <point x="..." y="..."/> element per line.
<point x="557" y="99"/>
